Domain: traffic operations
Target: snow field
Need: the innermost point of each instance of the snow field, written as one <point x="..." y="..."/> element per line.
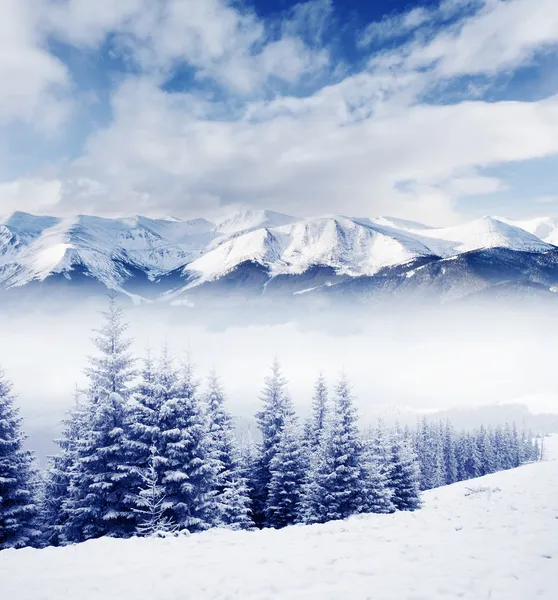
<point x="499" y="543"/>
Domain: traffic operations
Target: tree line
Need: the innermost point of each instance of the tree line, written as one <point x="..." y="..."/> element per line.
<point x="150" y="452"/>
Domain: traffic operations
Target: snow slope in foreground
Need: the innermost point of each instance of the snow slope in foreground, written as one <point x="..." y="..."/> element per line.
<point x="501" y="545"/>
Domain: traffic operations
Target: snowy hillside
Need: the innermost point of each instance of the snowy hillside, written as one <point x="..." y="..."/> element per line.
<point x="170" y="258"/>
<point x="494" y="537"/>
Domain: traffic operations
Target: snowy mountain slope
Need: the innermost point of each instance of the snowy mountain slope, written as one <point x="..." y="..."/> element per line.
<point x="494" y="537"/>
<point x="483" y="233"/>
<point x="493" y="272"/>
<point x="348" y="246"/>
<point x="545" y="228"/>
<point x="248" y="220"/>
<point x="170" y="258"/>
<point x="101" y="247"/>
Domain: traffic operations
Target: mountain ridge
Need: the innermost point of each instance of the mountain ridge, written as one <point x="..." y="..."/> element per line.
<point x="184" y="256"/>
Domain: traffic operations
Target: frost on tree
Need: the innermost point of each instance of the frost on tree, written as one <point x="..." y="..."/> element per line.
<point x="376" y="460"/>
<point x="404" y="478"/>
<point x="112" y="370"/>
<point x="315" y="425"/>
<point x="276" y="410"/>
<point x="336" y="488"/>
<point x="188" y="472"/>
<point x="99" y="501"/>
<point x="18" y="509"/>
<point x="57" y="478"/>
<point x="287" y="469"/>
<point x="150" y="500"/>
<point x="232" y="496"/>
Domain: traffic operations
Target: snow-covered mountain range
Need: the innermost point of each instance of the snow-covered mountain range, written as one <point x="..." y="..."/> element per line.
<point x="267" y="253"/>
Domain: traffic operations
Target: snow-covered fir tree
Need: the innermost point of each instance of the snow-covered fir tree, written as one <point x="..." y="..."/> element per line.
<point x="336" y="488"/>
<point x="143" y="415"/>
<point x="150" y="500"/>
<point x="102" y="477"/>
<point x="232" y="496"/>
<point x="57" y="476"/>
<point x="430" y="450"/>
<point x="18" y="509"/>
<point x="188" y="472"/>
<point x="404" y="475"/>
<point x="450" y="458"/>
<point x="113" y="369"/>
<point x="316" y="423"/>
<point x="486" y="451"/>
<point x="376" y="461"/>
<point x="276" y="411"/>
<point x="288" y="471"/>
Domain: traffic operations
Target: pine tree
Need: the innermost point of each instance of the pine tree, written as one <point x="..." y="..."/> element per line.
<point x="187" y="469"/>
<point x="232" y="495"/>
<point x="316" y="423"/>
<point x="102" y="477"/>
<point x="376" y="460"/>
<point x="337" y="485"/>
<point x="149" y="504"/>
<point x="431" y="456"/>
<point x="287" y="469"/>
<point x="486" y="451"/>
<point x="143" y="425"/>
<point x="18" y="510"/>
<point x="404" y="478"/>
<point x="57" y="477"/>
<point x="112" y="371"/>
<point x="516" y="450"/>
<point x="100" y="501"/>
<point x="473" y="464"/>
<point x="450" y="458"/>
<point x="277" y="409"/>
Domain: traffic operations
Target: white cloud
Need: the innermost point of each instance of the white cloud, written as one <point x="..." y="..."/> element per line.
<point x="87" y="22"/>
<point x="158" y="156"/>
<point x="395" y="26"/>
<point x="504" y="34"/>
<point x="219" y="41"/>
<point x="364" y="145"/>
<point x="33" y="81"/>
<point x="30" y="194"/>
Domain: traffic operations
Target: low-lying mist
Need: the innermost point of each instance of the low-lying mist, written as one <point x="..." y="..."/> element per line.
<point x="423" y="359"/>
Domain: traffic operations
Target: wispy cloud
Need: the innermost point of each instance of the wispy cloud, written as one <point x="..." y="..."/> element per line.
<point x="239" y="130"/>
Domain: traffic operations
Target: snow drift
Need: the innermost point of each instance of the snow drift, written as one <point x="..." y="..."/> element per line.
<point x="494" y="537"/>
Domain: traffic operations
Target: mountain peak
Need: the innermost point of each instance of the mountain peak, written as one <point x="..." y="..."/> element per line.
<point x="246" y="220"/>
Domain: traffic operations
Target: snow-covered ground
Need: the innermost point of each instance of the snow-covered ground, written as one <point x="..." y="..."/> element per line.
<point x="498" y="544"/>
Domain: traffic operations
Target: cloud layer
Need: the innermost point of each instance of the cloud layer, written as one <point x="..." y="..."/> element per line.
<point x="209" y="107"/>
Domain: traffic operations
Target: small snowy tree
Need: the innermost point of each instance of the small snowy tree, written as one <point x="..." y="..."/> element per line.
<point x="187" y="467"/>
<point x="450" y="458"/>
<point x="486" y="451"/>
<point x="287" y="469"/>
<point x="150" y="502"/>
<point x="404" y="479"/>
<point x="317" y="421"/>
<point x="430" y="453"/>
<point x="18" y="509"/>
<point x="336" y="488"/>
<point x="232" y="496"/>
<point x="57" y="477"/>
<point x="473" y="462"/>
<point x="376" y="460"/>
<point x="276" y="410"/>
<point x="112" y="370"/>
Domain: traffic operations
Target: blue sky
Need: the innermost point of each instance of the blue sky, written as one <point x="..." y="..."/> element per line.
<point x="435" y="111"/>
